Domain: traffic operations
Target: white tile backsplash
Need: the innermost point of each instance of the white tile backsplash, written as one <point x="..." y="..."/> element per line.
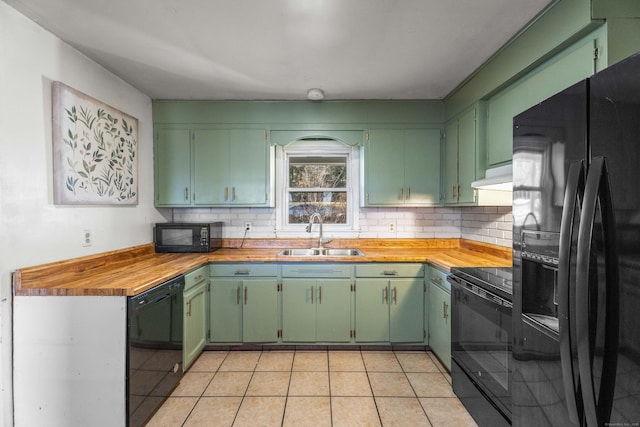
<point x="483" y="224"/>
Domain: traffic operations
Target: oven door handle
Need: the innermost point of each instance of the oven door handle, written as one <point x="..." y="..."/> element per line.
<point x="479" y="292"/>
<point x="572" y="202"/>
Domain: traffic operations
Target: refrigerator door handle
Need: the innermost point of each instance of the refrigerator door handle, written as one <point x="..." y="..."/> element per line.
<point x="572" y="203"/>
<point x="597" y="189"/>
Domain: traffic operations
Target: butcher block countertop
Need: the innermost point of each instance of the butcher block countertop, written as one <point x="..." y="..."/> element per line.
<point x="130" y="271"/>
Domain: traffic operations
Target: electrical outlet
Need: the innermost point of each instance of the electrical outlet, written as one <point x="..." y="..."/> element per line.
<point x="247" y="226"/>
<point x="87" y="238"/>
<point x="392" y="227"/>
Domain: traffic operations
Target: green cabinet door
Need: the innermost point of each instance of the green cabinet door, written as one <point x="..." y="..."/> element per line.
<point x="211" y="166"/>
<point x="316" y="310"/>
<point x="462" y="156"/>
<point x="225" y="310"/>
<point x="333" y="310"/>
<point x="440" y="323"/>
<point x="248" y="166"/>
<point x="402" y="167"/>
<point x="372" y="310"/>
<point x="406" y="310"/>
<point x="422" y="166"/>
<point x="299" y="310"/>
<point x="195" y="323"/>
<point x="467" y="156"/>
<point x="173" y="167"/>
<point x="451" y="163"/>
<point x="260" y="310"/>
<point x="385" y="167"/>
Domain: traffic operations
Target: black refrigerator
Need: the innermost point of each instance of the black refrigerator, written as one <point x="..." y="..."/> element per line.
<point x="576" y="254"/>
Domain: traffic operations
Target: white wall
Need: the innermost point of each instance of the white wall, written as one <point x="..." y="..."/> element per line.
<point x="32" y="229"/>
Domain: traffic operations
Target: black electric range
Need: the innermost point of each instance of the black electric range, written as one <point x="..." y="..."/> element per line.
<point x="497" y="280"/>
<point x="481" y="306"/>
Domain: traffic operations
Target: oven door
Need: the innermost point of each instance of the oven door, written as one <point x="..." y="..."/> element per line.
<point x="481" y="341"/>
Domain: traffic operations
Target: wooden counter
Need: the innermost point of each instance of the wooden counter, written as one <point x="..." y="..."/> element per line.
<point x="130" y="271"/>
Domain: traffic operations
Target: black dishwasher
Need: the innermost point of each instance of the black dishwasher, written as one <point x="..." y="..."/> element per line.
<point x="154" y="348"/>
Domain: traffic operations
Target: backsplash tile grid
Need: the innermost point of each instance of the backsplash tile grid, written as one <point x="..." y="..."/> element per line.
<point x="485" y="224"/>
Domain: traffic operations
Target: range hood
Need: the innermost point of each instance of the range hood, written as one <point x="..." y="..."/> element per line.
<point x="499" y="179"/>
<point x="496" y="187"/>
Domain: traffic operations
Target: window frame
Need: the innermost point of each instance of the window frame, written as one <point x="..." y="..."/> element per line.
<point x="317" y="148"/>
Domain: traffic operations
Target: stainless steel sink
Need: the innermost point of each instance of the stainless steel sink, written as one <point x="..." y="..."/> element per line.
<point x="320" y="252"/>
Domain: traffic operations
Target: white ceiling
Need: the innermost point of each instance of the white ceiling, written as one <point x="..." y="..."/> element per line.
<point x="277" y="49"/>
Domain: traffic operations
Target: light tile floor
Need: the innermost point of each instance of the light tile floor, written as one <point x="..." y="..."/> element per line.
<point x="314" y="388"/>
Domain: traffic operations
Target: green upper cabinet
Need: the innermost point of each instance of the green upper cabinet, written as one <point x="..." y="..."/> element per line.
<point x="568" y="67"/>
<point x="402" y="167"/>
<point x="173" y="167"/>
<point x="463" y="155"/>
<point x="212" y="167"/>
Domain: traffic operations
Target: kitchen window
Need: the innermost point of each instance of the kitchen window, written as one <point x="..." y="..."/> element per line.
<point x="318" y="176"/>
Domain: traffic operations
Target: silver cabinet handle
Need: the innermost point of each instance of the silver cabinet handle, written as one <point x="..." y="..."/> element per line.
<point x="233" y="194"/>
<point x="445" y="306"/>
<point x="386" y="295"/>
<point x="226" y="193"/>
<point x="242" y="272"/>
<point x="238" y="295"/>
<point x="401" y="193"/>
<point x="408" y="193"/>
<point x="390" y="273"/>
<point x="312" y="295"/>
<point x="395" y="295"/>
<point x="320" y="295"/>
<point x="186" y="194"/>
<point x="245" y="296"/>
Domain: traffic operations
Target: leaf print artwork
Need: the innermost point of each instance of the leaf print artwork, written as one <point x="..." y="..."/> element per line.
<point x="94" y="151"/>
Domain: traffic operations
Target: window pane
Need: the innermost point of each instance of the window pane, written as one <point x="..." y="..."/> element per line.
<point x="332" y="205"/>
<point x="317" y="172"/>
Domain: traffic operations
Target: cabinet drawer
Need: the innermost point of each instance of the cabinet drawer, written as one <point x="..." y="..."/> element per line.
<point x="316" y="270"/>
<point x="439" y="278"/>
<point x="390" y="270"/>
<point x="195" y="277"/>
<point x="243" y="270"/>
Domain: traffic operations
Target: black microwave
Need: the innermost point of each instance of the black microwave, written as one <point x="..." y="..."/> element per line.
<point x="187" y="237"/>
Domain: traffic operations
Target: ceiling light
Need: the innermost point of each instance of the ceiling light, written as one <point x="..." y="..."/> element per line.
<point x="315" y="94"/>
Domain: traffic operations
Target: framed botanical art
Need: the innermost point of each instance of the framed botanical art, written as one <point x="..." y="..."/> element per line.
<point x="95" y="151"/>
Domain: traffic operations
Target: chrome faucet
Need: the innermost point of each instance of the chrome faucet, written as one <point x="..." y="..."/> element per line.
<point x="321" y="239"/>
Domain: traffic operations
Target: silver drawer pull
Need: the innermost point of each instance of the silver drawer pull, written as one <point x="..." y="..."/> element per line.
<point x="242" y="272"/>
<point x="390" y="273"/>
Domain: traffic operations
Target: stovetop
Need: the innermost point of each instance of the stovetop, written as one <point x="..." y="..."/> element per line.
<point x="492" y="279"/>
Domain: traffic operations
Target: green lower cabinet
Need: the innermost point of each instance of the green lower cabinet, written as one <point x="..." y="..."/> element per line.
<point x="372" y="310"/>
<point x="440" y="323"/>
<point x="316" y="310"/>
<point x="195" y="323"/>
<point x="390" y="310"/>
<point x="243" y="310"/>
<point x="260" y="310"/>
<point x="406" y="310"/>
<point x="225" y="310"/>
